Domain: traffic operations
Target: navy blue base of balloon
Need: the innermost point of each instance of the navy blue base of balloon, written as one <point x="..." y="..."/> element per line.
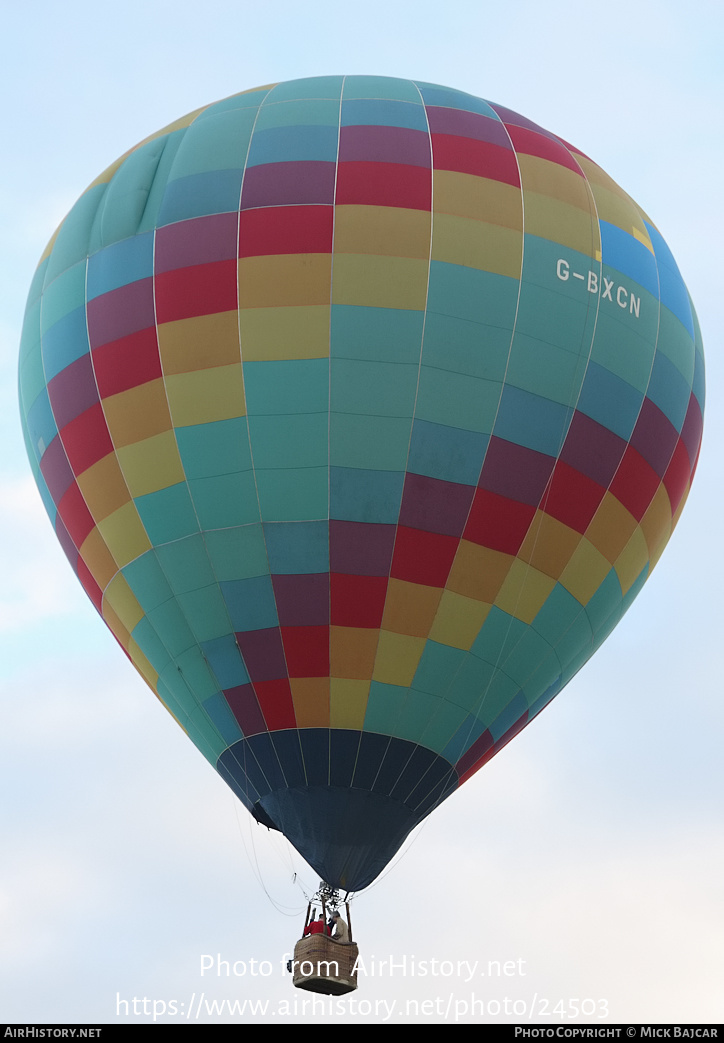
<point x="343" y="799"/>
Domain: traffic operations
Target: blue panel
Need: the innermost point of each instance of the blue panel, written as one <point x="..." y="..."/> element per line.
<point x="225" y="660"/>
<point x="532" y="421"/>
<point x="295" y="144"/>
<point x="383" y="113"/>
<point x="668" y="390"/>
<point x="124" y="262"/>
<point x="628" y="256"/>
<point x="222" y="718"/>
<point x="215" y="192"/>
<point x="362" y="495"/>
<point x="250" y="603"/>
<point x="432" y="94"/>
<point x="446" y="453"/>
<point x="673" y="291"/>
<point x="41" y="425"/>
<point x="65" y="342"/>
<point x="609" y="400"/>
<point x="297" y="547"/>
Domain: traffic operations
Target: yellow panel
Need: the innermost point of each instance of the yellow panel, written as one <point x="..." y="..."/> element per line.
<point x="200" y="342"/>
<point x="123" y="602"/>
<point x="458" y="620"/>
<point x="282" y="280"/>
<point x="124" y="534"/>
<point x="398" y="657"/>
<point x="389" y="231"/>
<point x="585" y="572"/>
<point x="562" y="223"/>
<point x="611" y="527"/>
<point x="633" y="558"/>
<point x="380" y="282"/>
<point x="98" y="558"/>
<point x="410" y="607"/>
<point x="546" y="178"/>
<point x="613" y="204"/>
<point x="549" y="544"/>
<point x="152" y="464"/>
<point x="524" y="591"/>
<point x="310" y="696"/>
<point x="207" y="395"/>
<point x="470" y="196"/>
<point x="144" y="668"/>
<point x="103" y="487"/>
<point x="477" y="244"/>
<point x="285" y="333"/>
<point x="115" y="626"/>
<point x="141" y="412"/>
<point x="478" y="572"/>
<point x="656" y="523"/>
<point x="348" y="703"/>
<point x="352" y="652"/>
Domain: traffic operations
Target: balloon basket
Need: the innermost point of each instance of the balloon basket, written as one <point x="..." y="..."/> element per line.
<point x="325" y="966"/>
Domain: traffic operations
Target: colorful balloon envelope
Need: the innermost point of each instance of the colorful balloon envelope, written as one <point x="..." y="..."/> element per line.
<point x="362" y="409"/>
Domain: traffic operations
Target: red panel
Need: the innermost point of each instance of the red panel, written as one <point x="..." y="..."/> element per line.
<point x="306" y="650"/>
<point x="677" y="475"/>
<point x="469" y="156"/>
<point x="384" y="184"/>
<point x="201" y="289"/>
<point x="357" y="601"/>
<point x="90" y="586"/>
<point x="423" y="557"/>
<point x="532" y="144"/>
<point x="497" y="522"/>
<point x="572" y="497"/>
<point x="86" y="439"/>
<point x="286" y="230"/>
<point x="126" y="363"/>
<point x="635" y="483"/>
<point x="75" y="514"/>
<point x="275" y="699"/>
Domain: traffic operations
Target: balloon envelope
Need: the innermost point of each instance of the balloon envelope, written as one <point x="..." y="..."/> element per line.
<point x="362" y="409"/>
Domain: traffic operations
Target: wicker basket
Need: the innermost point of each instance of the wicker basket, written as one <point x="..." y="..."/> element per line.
<point x="323" y="965"/>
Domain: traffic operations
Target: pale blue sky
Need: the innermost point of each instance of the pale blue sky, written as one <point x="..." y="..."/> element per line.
<point x="592" y="849"/>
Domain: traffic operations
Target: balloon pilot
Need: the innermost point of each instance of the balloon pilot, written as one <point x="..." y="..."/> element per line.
<point x="325" y="957"/>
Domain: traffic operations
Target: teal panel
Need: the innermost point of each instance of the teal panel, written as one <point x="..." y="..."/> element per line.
<point x="124" y="204"/>
<point x="380" y="87"/>
<point x="376" y="334"/>
<point x="205" y="735"/>
<point x="546" y="315"/>
<point x="384" y="706"/>
<point x="64" y="294"/>
<point x="542" y="369"/>
<point x="297" y="386"/>
<point x="383" y="112"/>
<point x="196" y="672"/>
<point x="124" y="262"/>
<point x="438" y="665"/>
<point x="373" y="388"/>
<point x="313" y="87"/>
<point x="172" y="628"/>
<point x="306" y="112"/>
<point x="167" y="514"/>
<point x="219" y="142"/>
<point x="245" y="100"/>
<point x="457" y="400"/>
<point x="146" y="579"/>
<point x="299" y="548"/>
<point x="498" y="636"/>
<point x="623" y="351"/>
<point x="375" y="443"/>
<point x="225" y="501"/>
<point x="416" y="711"/>
<point x="151" y="645"/>
<point x="365" y="495"/>
<point x="186" y="564"/>
<point x="218" y="448"/>
<point x="158" y="188"/>
<point x="205" y="611"/>
<point x="468" y="293"/>
<point x="469" y="686"/>
<point x="441" y="727"/>
<point x="288" y="494"/>
<point x="675" y="342"/>
<point x="237" y="553"/>
<point x="72" y="242"/>
<point x="467" y="347"/>
<point x="222" y="718"/>
<point x="530" y="651"/>
<point x="299" y="440"/>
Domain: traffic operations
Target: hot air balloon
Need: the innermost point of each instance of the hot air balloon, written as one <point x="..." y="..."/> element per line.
<point x="362" y="409"/>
